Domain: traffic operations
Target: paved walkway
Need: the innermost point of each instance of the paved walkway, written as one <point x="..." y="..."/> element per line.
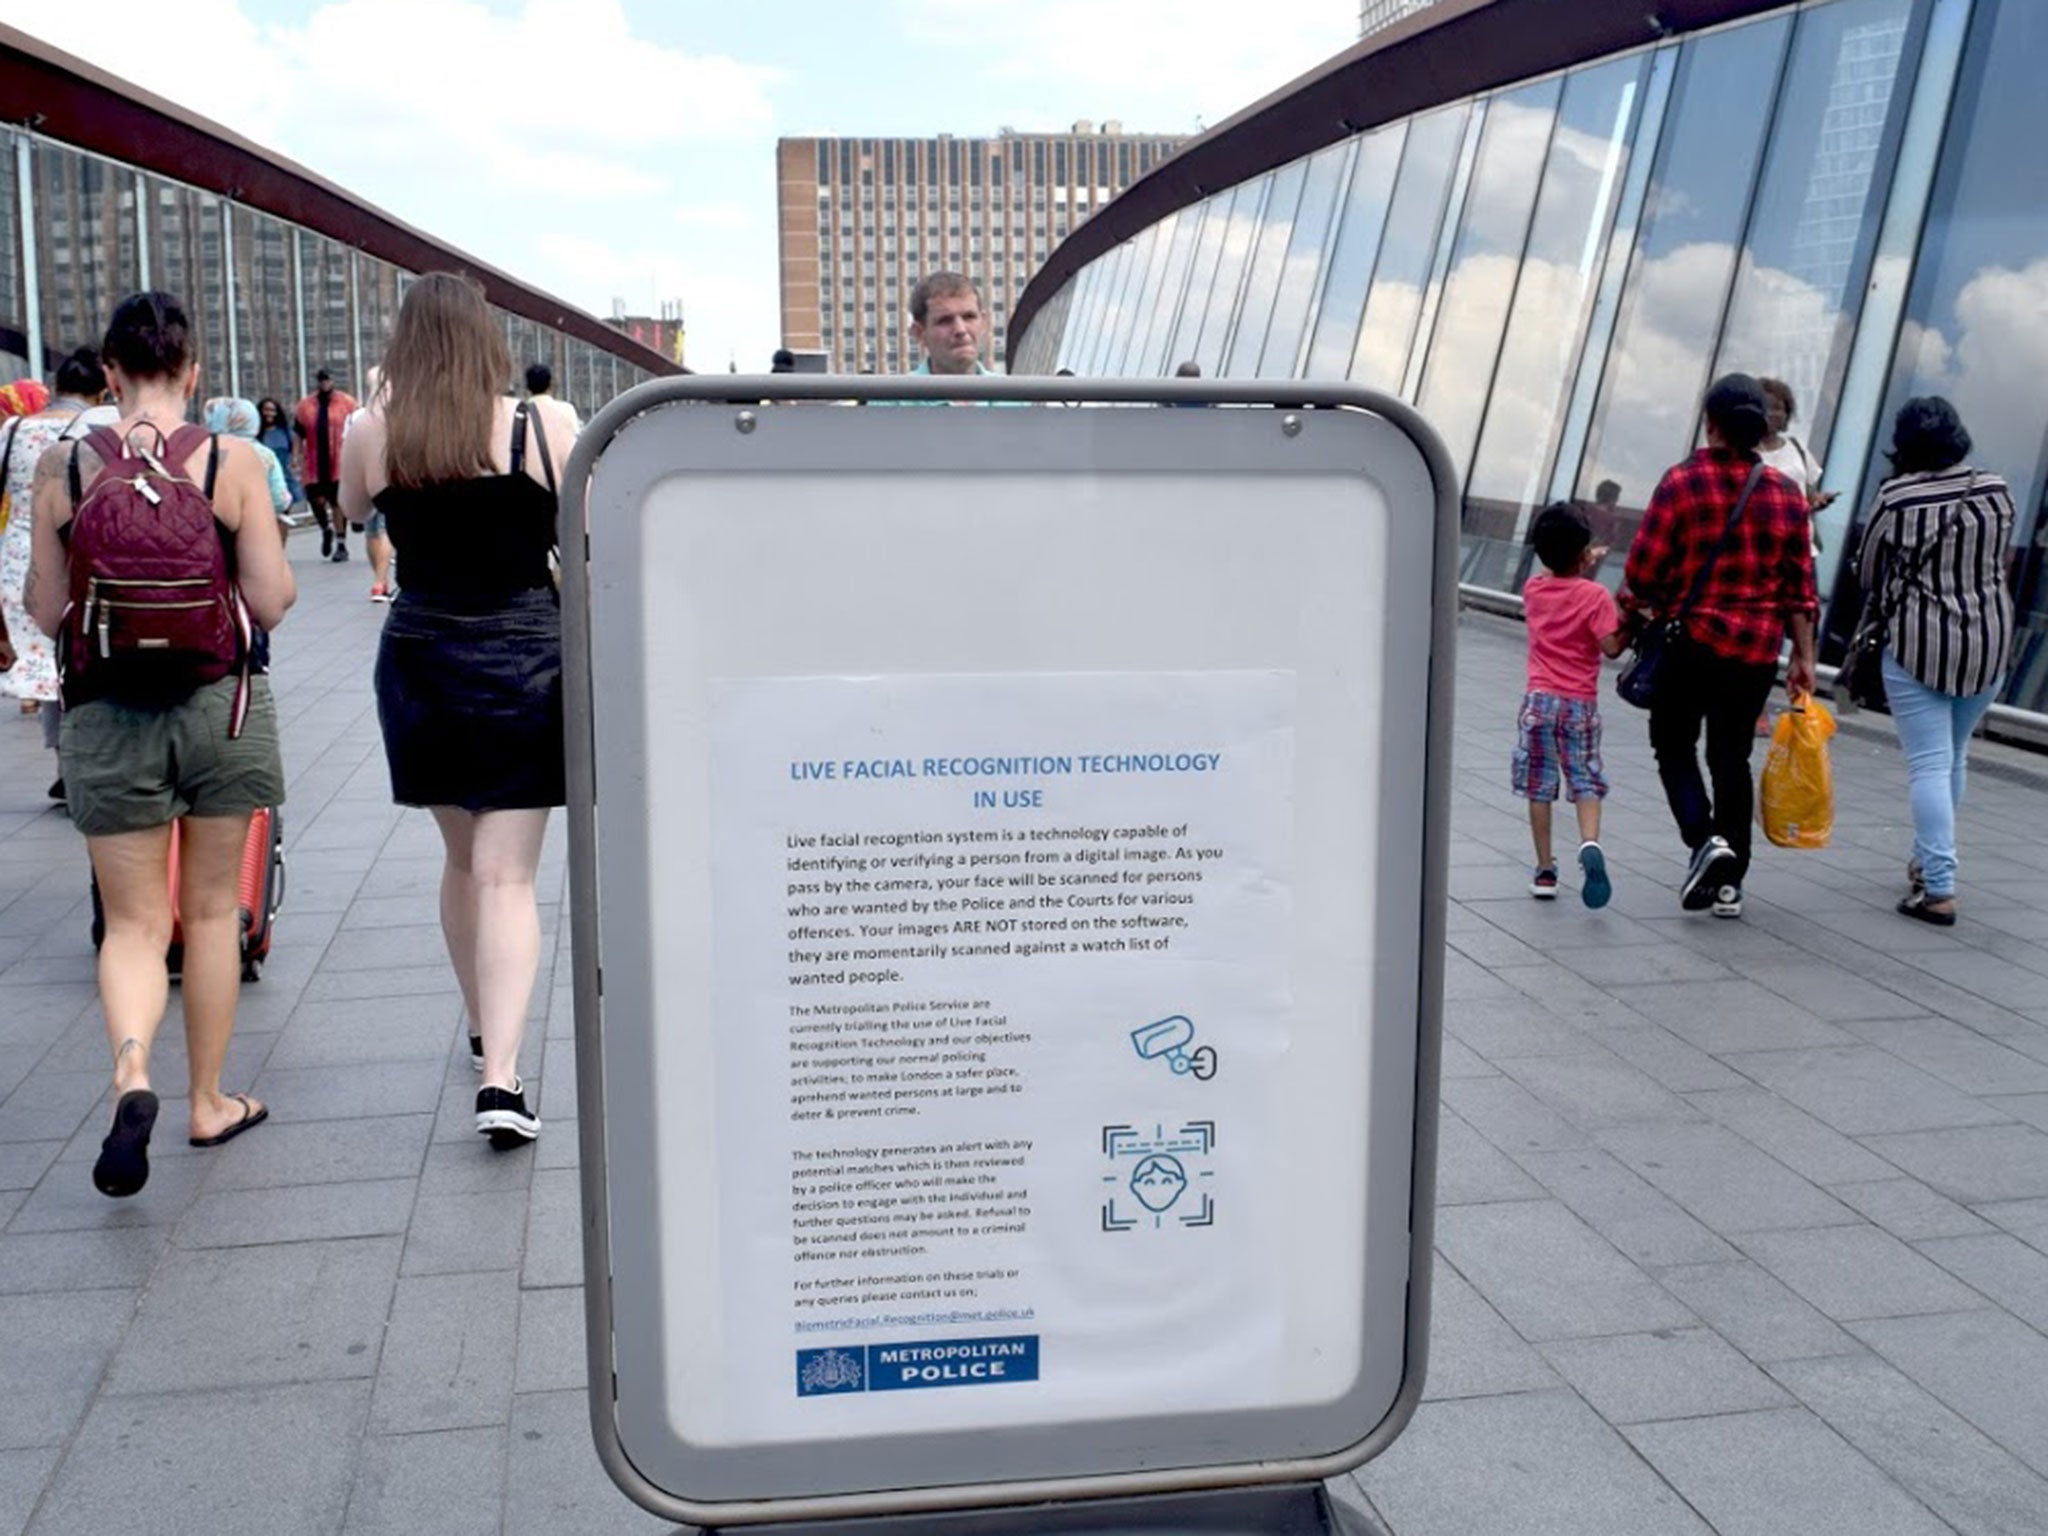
<point x="1744" y="1227"/>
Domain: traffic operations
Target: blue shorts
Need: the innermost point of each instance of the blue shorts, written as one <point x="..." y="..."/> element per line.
<point x="1559" y="737"/>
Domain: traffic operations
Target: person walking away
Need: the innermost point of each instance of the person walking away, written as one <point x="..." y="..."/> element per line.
<point x="1724" y="521"/>
<point x="231" y="416"/>
<point x="274" y="432"/>
<point x="1936" y="554"/>
<point x="163" y="722"/>
<point x="1786" y="454"/>
<point x="319" y="421"/>
<point x="1572" y="622"/>
<point x="376" y="533"/>
<point x="540" y="389"/>
<point x="469" y="670"/>
<point x="78" y="406"/>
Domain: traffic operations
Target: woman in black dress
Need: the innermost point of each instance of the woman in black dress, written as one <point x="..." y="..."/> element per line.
<point x="469" y="671"/>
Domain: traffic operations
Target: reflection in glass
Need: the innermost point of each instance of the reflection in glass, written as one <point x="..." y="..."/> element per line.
<point x="1201" y="279"/>
<point x="1977" y="316"/>
<point x="1818" y="205"/>
<point x="1262" y="272"/>
<point x="1173" y="279"/>
<point x="1387" y="331"/>
<point x="266" y="340"/>
<point x="1354" y="248"/>
<point x="1303" y="269"/>
<point x="13" y="309"/>
<point x="1238" y="230"/>
<point x="1108" y="328"/>
<point x="1076" y="334"/>
<point x="1481" y="281"/>
<point x="85" y="244"/>
<point x="1552" y="296"/>
<point x="1136" y="301"/>
<point x="1656" y="367"/>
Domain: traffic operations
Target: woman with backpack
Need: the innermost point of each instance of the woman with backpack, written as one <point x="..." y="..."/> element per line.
<point x="469" y="670"/>
<point x="1934" y="561"/>
<point x="154" y="549"/>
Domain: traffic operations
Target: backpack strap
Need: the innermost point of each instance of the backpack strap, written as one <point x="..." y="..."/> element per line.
<point x="525" y="414"/>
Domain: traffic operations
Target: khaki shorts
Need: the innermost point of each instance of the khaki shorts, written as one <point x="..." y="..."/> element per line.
<point x="128" y="768"/>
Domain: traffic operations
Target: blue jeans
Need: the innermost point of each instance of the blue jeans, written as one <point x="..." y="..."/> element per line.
<point x="1934" y="733"/>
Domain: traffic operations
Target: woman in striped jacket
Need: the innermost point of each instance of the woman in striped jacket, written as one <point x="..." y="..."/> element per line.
<point x="1936" y="552"/>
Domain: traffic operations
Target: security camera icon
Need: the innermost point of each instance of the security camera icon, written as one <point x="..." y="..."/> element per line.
<point x="1170" y="1039"/>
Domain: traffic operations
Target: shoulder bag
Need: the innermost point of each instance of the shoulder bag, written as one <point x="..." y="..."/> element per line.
<point x="1860" y="682"/>
<point x="1640" y="680"/>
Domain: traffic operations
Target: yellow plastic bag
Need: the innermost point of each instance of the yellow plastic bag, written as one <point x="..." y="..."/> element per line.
<point x="1796" y="801"/>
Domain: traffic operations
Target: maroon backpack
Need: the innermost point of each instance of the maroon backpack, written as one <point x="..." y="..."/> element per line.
<point x="155" y="612"/>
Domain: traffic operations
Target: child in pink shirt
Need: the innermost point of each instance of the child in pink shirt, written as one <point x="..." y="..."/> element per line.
<point x="1572" y="623"/>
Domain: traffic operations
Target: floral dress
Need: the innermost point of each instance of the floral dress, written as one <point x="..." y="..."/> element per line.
<point x="34" y="673"/>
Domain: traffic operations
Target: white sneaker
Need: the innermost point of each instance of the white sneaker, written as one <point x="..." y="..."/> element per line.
<point x="1712" y="862"/>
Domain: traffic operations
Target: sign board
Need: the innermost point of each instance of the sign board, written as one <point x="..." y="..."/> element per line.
<point x="1008" y="873"/>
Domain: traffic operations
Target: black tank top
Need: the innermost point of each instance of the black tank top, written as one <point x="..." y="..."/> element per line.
<point x="474" y="539"/>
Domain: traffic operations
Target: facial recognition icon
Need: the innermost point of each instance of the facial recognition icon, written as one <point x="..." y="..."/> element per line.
<point x="1157" y="1176"/>
<point x="1172" y="1040"/>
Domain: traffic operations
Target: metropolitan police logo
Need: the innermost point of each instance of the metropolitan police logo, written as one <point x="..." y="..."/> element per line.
<point x="819" y="1371"/>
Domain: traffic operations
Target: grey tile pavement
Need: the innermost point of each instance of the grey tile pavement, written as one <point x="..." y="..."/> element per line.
<point x="1743" y="1226"/>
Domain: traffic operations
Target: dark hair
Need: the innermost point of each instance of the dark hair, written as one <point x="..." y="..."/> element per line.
<point x="1927" y="435"/>
<point x="323" y="377"/>
<point x="81" y="374"/>
<point x="1736" y="410"/>
<point x="1187" y="370"/>
<point x="1607" y="492"/>
<point x="784" y="361"/>
<point x="1561" y="537"/>
<point x="940" y="285"/>
<point x="1783" y="391"/>
<point x="276" y="409"/>
<point x="149" y="337"/>
<point x="540" y="378"/>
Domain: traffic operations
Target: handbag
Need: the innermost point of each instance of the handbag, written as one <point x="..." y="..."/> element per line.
<point x="1861" y="676"/>
<point x="1642" y="677"/>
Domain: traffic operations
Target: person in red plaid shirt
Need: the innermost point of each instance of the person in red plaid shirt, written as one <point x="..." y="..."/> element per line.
<point x="1760" y="589"/>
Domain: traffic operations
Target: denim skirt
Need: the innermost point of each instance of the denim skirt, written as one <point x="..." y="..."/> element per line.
<point x="469" y="694"/>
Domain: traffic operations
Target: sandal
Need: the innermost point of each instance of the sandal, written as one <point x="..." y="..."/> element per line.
<point x="253" y="1115"/>
<point x="1919" y="906"/>
<point x="123" y="1165"/>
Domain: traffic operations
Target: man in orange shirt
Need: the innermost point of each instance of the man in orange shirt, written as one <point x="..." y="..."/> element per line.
<point x="318" y="421"/>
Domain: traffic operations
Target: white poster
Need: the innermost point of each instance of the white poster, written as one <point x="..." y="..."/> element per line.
<point x="1002" y="1004"/>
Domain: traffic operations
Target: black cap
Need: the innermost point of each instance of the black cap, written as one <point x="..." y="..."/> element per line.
<point x="1736" y="397"/>
<point x="323" y="377"/>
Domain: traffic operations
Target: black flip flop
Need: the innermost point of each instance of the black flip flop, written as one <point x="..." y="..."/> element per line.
<point x="123" y="1166"/>
<point x="251" y="1117"/>
<point x="1916" y="907"/>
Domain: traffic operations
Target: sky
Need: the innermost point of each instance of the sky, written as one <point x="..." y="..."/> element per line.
<point x="623" y="151"/>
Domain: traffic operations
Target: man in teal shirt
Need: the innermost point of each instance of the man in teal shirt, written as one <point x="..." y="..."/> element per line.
<point x="948" y="321"/>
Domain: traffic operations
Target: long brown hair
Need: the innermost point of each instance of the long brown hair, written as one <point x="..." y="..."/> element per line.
<point x="443" y="372"/>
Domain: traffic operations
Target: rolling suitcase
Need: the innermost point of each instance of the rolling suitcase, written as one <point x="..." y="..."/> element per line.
<point x="261" y="891"/>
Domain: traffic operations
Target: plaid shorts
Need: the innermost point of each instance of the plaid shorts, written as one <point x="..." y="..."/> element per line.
<point x="1559" y="734"/>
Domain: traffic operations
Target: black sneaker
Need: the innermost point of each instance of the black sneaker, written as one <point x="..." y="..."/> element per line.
<point x="56" y="790"/>
<point x="326" y="542"/>
<point x="1712" y="863"/>
<point x="340" y="552"/>
<point x="502" y="1115"/>
<point x="476" y="1052"/>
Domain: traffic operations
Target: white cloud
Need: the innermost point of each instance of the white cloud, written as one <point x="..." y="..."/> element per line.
<point x="1146" y="60"/>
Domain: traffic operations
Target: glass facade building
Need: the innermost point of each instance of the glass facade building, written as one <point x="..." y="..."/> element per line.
<point x="1844" y="194"/>
<point x="284" y="274"/>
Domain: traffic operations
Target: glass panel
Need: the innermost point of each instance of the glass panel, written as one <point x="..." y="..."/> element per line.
<point x="1208" y="251"/>
<point x="1136" y="303"/>
<point x="1387" y="331"/>
<point x="1166" y="302"/>
<point x="266" y="337"/>
<point x="1818" y="205"/>
<point x="1116" y="274"/>
<point x="1581" y="181"/>
<point x="1145" y="297"/>
<point x="1977" y="317"/>
<point x="376" y="309"/>
<point x="1262" y="273"/>
<point x="85" y="245"/>
<point x="1303" y="263"/>
<point x="13" y="299"/>
<point x="323" y="270"/>
<point x="1356" y="247"/>
<point x="1087" y="303"/>
<point x="1238" y="230"/>
<point x="1656" y="368"/>
<point x="1484" y="262"/>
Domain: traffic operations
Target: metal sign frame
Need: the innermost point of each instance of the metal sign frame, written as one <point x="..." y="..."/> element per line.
<point x="740" y="400"/>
